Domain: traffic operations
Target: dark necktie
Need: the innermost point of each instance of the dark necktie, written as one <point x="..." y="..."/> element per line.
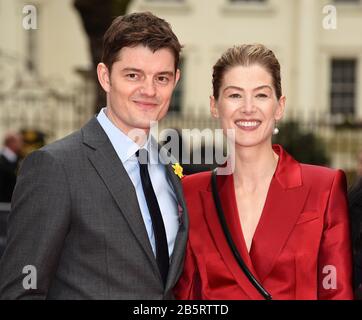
<point x="162" y="256"/>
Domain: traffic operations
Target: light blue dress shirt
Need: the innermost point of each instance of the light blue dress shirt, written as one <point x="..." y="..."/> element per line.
<point x="126" y="149"/>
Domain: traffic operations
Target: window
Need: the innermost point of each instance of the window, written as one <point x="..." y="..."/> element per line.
<point x="347" y="1"/>
<point x="166" y="6"/>
<point x="343" y="86"/>
<point x="237" y="7"/>
<point x="177" y="97"/>
<point x="247" y="0"/>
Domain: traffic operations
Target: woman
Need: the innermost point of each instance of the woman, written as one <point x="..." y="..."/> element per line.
<point x="287" y="221"/>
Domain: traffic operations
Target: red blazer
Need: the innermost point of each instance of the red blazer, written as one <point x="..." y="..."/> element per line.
<point x="301" y="247"/>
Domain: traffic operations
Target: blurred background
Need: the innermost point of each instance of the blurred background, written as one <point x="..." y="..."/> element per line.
<point x="49" y="50"/>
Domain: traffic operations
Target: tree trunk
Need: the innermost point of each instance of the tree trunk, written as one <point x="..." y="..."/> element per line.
<point x="97" y="16"/>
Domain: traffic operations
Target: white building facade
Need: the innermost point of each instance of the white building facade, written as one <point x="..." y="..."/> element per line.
<point x="311" y="38"/>
<point x="43" y="52"/>
<point x="318" y="44"/>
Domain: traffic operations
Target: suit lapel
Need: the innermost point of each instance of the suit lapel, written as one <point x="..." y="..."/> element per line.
<point x="181" y="237"/>
<point x="284" y="203"/>
<point x="109" y="167"/>
<point x="281" y="211"/>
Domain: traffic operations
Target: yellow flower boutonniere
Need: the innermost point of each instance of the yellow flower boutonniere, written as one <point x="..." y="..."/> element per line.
<point x="178" y="170"/>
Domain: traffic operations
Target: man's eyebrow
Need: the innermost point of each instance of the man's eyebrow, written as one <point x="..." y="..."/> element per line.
<point x="166" y="73"/>
<point x="130" y="69"/>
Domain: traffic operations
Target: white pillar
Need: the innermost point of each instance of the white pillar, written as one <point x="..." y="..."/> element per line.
<point x="307" y="33"/>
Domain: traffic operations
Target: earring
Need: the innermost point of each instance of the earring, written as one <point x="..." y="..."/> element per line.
<point x="276" y="129"/>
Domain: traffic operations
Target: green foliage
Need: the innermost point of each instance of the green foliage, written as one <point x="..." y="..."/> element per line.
<point x="304" y="147"/>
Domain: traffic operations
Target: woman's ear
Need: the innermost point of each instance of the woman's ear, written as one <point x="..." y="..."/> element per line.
<point x="279" y="112"/>
<point x="104" y="76"/>
<point x="213" y="107"/>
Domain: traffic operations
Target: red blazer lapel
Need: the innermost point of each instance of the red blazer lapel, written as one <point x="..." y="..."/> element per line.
<point x="227" y="196"/>
<point x="284" y="203"/>
<point x="220" y="241"/>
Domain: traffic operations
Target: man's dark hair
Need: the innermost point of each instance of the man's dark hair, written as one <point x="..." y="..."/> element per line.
<point x="135" y="29"/>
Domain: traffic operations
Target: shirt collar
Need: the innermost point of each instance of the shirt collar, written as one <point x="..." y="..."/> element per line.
<point x="125" y="147"/>
<point x="288" y="171"/>
<point x="9" y="154"/>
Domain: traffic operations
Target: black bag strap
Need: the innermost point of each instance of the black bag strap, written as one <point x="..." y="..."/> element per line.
<point x="230" y="241"/>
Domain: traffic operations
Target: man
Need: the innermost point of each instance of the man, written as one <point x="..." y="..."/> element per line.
<point x="9" y="160"/>
<point x="85" y="220"/>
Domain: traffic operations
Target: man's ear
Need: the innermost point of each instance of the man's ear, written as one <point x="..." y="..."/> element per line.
<point x="280" y="108"/>
<point x="213" y="107"/>
<point x="104" y="76"/>
<point x="177" y="77"/>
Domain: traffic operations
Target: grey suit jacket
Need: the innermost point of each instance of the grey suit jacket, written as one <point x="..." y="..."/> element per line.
<point x="75" y="217"/>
